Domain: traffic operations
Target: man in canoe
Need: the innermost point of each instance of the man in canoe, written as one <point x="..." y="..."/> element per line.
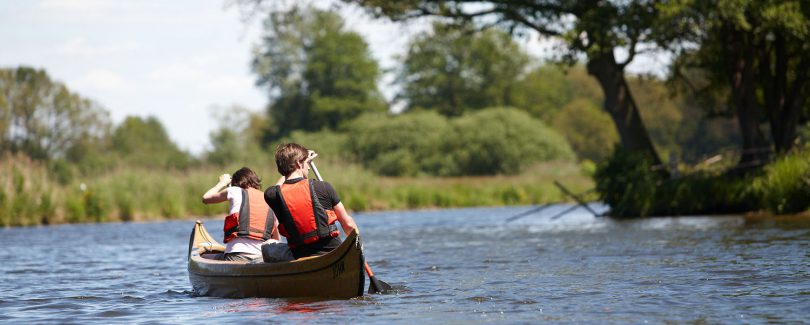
<point x="306" y="209"/>
<point x="250" y="222"/>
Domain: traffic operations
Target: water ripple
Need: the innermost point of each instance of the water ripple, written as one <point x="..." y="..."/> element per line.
<point x="446" y="266"/>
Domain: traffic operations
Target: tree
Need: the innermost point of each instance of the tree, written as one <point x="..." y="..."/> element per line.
<point x="587" y="128"/>
<point x="401" y="145"/>
<point x="544" y="91"/>
<point x="452" y="69"/>
<point x="236" y="141"/>
<point x="42" y="117"/>
<point x="757" y="51"/>
<point x="591" y="28"/>
<point x="144" y="141"/>
<point x="482" y="142"/>
<point x="317" y="73"/>
<point x="502" y="141"/>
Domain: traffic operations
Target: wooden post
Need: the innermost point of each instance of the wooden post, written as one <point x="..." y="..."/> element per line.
<point x="576" y="198"/>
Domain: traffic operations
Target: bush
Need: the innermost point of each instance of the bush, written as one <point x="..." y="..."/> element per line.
<point x="626" y="184"/>
<point x="329" y="145"/>
<point x="486" y="142"/>
<point x="588" y="128"/>
<point x="785" y="185"/>
<point x="406" y="144"/>
<point x="5" y="213"/>
<point x="502" y="141"/>
<point x="75" y="210"/>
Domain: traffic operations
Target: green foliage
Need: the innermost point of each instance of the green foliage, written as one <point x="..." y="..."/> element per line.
<point x="626" y="184"/>
<point x="144" y="142"/>
<point x="75" y="210"/>
<point x="485" y="142"/>
<point x="329" y="145"/>
<point x="785" y="185"/>
<point x="94" y="206"/>
<point x="46" y="209"/>
<point x="317" y="73"/>
<point x="236" y="141"/>
<point x="589" y="129"/>
<point x="406" y="144"/>
<point x="5" y="211"/>
<point x="752" y="52"/>
<point x="42" y="118"/>
<point x="547" y="89"/>
<point x="502" y="141"/>
<point x="452" y="69"/>
<point x="629" y="185"/>
<point x="61" y="171"/>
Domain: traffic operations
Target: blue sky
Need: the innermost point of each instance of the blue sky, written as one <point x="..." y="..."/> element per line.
<point x="177" y="60"/>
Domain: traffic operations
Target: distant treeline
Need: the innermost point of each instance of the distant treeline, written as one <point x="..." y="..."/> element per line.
<point x="470" y="102"/>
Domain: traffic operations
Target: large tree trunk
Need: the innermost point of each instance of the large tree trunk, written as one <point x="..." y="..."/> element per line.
<point x="755" y="148"/>
<point x="784" y="98"/>
<point x="619" y="103"/>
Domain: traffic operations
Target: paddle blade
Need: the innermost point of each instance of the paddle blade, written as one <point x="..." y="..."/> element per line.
<point x="377" y="286"/>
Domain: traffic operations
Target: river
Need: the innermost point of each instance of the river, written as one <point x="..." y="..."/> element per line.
<point x="450" y="266"/>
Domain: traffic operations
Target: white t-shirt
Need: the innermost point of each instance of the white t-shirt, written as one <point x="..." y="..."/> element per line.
<point x="240" y="244"/>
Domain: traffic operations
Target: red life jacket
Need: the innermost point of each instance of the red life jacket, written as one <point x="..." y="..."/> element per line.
<point x="254" y="220"/>
<point x="302" y="219"/>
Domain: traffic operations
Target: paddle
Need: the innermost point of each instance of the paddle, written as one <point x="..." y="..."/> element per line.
<point x="375" y="285"/>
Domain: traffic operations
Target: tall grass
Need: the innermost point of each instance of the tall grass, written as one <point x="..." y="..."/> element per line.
<point x="627" y="184"/>
<point x="784" y="186"/>
<point x="32" y="194"/>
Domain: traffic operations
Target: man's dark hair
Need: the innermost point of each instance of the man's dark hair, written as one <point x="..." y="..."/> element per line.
<point x="287" y="155"/>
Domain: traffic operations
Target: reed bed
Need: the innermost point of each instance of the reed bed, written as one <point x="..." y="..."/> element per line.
<point x="31" y="194"/>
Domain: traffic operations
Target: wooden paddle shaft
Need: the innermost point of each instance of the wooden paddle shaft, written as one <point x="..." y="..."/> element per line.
<point x="320" y="178"/>
<point x="368" y="269"/>
<point x="315" y="170"/>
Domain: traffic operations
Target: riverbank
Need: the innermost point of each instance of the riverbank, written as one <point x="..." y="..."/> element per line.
<point x="633" y="187"/>
<point x="31" y="195"/>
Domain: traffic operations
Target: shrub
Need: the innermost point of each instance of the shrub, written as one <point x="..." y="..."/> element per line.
<point x="785" y="185"/>
<point x="625" y="183"/>
<point x="502" y="141"/>
<point x="75" y="210"/>
<point x="328" y="144"/>
<point x="406" y="144"/>
<point x="588" y="128"/>
<point x="5" y="213"/>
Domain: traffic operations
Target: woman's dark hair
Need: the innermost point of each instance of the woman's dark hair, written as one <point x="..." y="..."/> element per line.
<point x="244" y="178"/>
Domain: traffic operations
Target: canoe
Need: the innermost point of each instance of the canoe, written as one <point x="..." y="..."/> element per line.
<point x="337" y="274"/>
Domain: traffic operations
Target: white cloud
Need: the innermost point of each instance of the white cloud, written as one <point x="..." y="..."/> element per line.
<point x="74" y="4"/>
<point x="80" y="46"/>
<point x="103" y="80"/>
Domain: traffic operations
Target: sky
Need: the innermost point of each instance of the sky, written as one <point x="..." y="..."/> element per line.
<point x="180" y="60"/>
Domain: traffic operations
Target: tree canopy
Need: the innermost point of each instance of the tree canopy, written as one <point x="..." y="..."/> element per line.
<point x="144" y="141"/>
<point x="595" y="29"/>
<point x="316" y="72"/>
<point x="452" y="68"/>
<point x="756" y="53"/>
<point x="42" y="117"/>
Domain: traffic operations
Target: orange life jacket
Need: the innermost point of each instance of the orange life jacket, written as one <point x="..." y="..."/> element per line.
<point x="302" y="219"/>
<point x="254" y="220"/>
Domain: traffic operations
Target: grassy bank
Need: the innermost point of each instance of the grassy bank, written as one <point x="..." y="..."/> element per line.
<point x="627" y="183"/>
<point x="31" y="195"/>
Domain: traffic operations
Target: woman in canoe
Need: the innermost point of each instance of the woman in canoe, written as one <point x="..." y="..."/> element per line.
<point x="250" y="222"/>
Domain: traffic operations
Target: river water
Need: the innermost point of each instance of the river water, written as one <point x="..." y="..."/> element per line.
<point x="450" y="266"/>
